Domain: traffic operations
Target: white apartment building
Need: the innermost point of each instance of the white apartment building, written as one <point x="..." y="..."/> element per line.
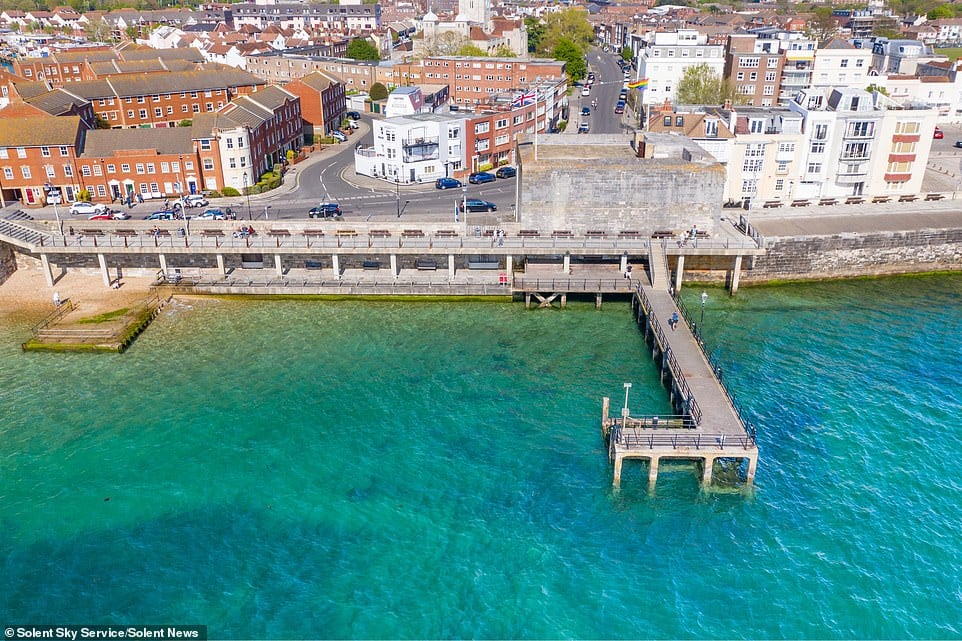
<point x="765" y="155"/>
<point x="937" y="92"/>
<point x="664" y="60"/>
<point x="413" y="149"/>
<point x="840" y="64"/>
<point x="861" y="144"/>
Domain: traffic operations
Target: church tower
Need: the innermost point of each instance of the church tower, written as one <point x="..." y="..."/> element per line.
<point x="476" y="11"/>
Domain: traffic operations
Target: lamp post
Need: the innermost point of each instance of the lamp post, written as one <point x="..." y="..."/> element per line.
<point x="56" y="212"/>
<point x="624" y="410"/>
<point x="249" y="215"/>
<point x="704" y="299"/>
<point x="397" y="194"/>
<point x="266" y="208"/>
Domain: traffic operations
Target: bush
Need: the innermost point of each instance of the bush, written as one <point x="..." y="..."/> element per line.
<point x="214" y="194"/>
<point x="230" y="191"/>
<point x="83" y="195"/>
<point x="485" y="166"/>
<point x="266" y="177"/>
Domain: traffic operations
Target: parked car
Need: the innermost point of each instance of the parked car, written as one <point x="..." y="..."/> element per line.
<point x="506" y="172"/>
<point x="480" y="178"/>
<point x="353" y="115"/>
<point x="447" y="183"/>
<point x="958" y="143"/>
<point x="586" y="91"/>
<point x="586" y="111"/>
<point x="325" y="210"/>
<point x="87" y="209"/>
<point x="211" y="214"/>
<point x="584" y="128"/>
<point x="339" y="136"/>
<point x="353" y="124"/>
<point x="195" y="200"/>
<point x="937" y="134"/>
<point x="162" y="215"/>
<point x="474" y="204"/>
<point x="110" y="215"/>
<point x="620" y="107"/>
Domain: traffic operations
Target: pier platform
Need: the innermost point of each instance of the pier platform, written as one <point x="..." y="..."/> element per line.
<point x="707" y="424"/>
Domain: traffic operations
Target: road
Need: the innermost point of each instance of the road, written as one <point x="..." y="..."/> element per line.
<point x="608" y="83"/>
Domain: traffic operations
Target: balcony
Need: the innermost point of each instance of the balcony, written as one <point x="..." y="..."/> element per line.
<point x="420" y="142"/>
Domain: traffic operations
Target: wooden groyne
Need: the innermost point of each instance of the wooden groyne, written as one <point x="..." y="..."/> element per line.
<point x="706" y="425"/>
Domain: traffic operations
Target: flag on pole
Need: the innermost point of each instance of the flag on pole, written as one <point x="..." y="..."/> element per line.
<point x="522" y="99"/>
<point x="640" y="84"/>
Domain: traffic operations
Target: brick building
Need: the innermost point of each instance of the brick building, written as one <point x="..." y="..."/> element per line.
<point x="322" y="101"/>
<point x="62" y="68"/>
<point x="38" y="150"/>
<point x="279" y="67"/>
<point x="474" y="81"/>
<point x="754" y="67"/>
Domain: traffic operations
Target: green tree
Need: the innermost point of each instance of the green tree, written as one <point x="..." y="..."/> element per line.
<point x="874" y="87"/>
<point x="535" y="29"/>
<point x="941" y="11"/>
<point x="504" y="51"/>
<point x="702" y="85"/>
<point x="185" y="123"/>
<point x="626" y="54"/>
<point x="378" y="91"/>
<point x="573" y="58"/>
<point x="361" y="49"/>
<point x="570" y="24"/>
<point x="471" y="50"/>
<point x="822" y="26"/>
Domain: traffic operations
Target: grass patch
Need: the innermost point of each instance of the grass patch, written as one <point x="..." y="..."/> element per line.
<point x="105" y="317"/>
<point x="954" y="53"/>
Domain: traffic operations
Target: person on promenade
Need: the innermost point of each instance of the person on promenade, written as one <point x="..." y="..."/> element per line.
<point x="673" y="321"/>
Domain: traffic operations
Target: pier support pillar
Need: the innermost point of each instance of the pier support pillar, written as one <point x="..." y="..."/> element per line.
<point x="47" y="273"/>
<point x="679" y="269"/>
<point x="336" y="262"/>
<point x="616" y="481"/>
<point x="707" y="464"/>
<point x="163" y="264"/>
<point x="566" y="265"/>
<point x="624" y="263"/>
<point x="104" y="272"/>
<point x="652" y="471"/>
<point x="598" y="300"/>
<point x="451" y="266"/>
<point x="278" y="267"/>
<point x="527" y="301"/>
<point x="509" y="264"/>
<point x="752" y="464"/>
<point x="394" y="271"/>
<point x="220" y="265"/>
<point x="734" y="277"/>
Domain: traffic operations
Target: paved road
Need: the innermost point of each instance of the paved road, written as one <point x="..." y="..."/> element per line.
<point x="608" y="82"/>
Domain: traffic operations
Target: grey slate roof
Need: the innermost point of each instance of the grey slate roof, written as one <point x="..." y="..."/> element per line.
<point x="55" y="102"/>
<point x="175" y="82"/>
<point x="103" y="142"/>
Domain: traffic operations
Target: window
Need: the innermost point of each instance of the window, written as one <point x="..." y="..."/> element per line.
<point x="481" y="128"/>
<point x="786" y="147"/>
<point x="756" y="126"/>
<point x="98" y="170"/>
<point x="25" y="171"/>
<point x="112" y="169"/>
<point x="232" y="162"/>
<point x="711" y="128"/>
<point x="68" y="171"/>
<point x="154" y="188"/>
<point x="817" y="148"/>
<point x="750" y="186"/>
<point x="195" y="108"/>
<point x="184" y="109"/>
<point x="205" y="144"/>
<point x="753" y="76"/>
<point x="667" y="122"/>
<point x="752" y="165"/>
<point x="158" y="112"/>
<point x="101" y="191"/>
<point x="770" y="76"/>
<point x="210" y="106"/>
<point x="170" y="110"/>
<point x="740" y="75"/>
<point x="3" y="153"/>
<point x="45" y="152"/>
<point x="140" y="168"/>
<point x="768" y="90"/>
<point x="141" y="100"/>
<point x="900" y="128"/>
<point x="240" y="142"/>
<point x="143" y="114"/>
<point x="843" y="63"/>
<point x="21" y="152"/>
<point x="814" y="167"/>
<point x="164" y="168"/>
<point x="862" y="129"/>
<point x="773" y="63"/>
<point x="208" y="164"/>
<point x="155" y="97"/>
<point x="821" y="132"/>
<point x="756" y="150"/>
<point x="150" y="168"/>
<point x="124" y="167"/>
<point x="8" y="173"/>
<point x="85" y="170"/>
<point x="859" y="62"/>
<point x="748" y="62"/>
<point x="130" y="113"/>
<point x="501" y="124"/>
<point x="903" y="148"/>
<point x="230" y="142"/>
<point x="63" y="152"/>
<point x="782" y="167"/>
<point x="188" y="165"/>
<point x="51" y="172"/>
<point x="780" y="184"/>
<point x="900" y="168"/>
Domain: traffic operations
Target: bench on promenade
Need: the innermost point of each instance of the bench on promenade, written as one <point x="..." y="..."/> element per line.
<point x="379" y="233"/>
<point x="908" y="198"/>
<point x="345" y="232"/>
<point x="596" y="233"/>
<point x="529" y="233"/>
<point x="880" y="199"/>
<point x="371" y="265"/>
<point x="854" y="200"/>
<point x="828" y="201"/>
<point x="446" y="233"/>
<point x="772" y="204"/>
<point x="801" y="203"/>
<point x="212" y="233"/>
<point x="562" y="233"/>
<point x="315" y="233"/>
<point x="278" y="232"/>
<point x="125" y="232"/>
<point x="629" y="233"/>
<point x="412" y="233"/>
<point x="91" y="232"/>
<point x="934" y="196"/>
<point x="662" y="233"/>
<point x="426" y="264"/>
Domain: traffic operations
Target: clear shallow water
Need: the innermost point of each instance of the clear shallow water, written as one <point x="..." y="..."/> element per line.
<point x="383" y="470"/>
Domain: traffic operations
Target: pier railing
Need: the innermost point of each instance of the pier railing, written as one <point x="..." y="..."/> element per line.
<point x="61" y="311"/>
<point x="335" y="285"/>
<point x="716" y="367"/>
<point x="570" y="284"/>
<point x="638" y="440"/>
<point x="693" y="408"/>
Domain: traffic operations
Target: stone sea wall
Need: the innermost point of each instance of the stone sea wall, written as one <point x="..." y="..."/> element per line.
<point x="8" y="262"/>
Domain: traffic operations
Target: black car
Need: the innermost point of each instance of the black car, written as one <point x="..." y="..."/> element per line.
<point x="474" y="205"/>
<point x="506" y="172"/>
<point x="325" y="210"/>
<point x="958" y="143"/>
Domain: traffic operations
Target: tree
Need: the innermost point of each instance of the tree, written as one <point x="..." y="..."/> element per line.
<point x="535" y="29"/>
<point x="445" y="43"/>
<point x="573" y="58"/>
<point x="822" y="26"/>
<point x="874" y="87"/>
<point x="361" y="49"/>
<point x="627" y="55"/>
<point x="185" y="123"/>
<point x="504" y="51"/>
<point x="378" y="91"/>
<point x="941" y="11"/>
<point x="702" y="85"/>
<point x="570" y="24"/>
<point x="471" y="50"/>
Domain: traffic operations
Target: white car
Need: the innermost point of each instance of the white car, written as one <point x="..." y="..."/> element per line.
<point x="586" y="91"/>
<point x="338" y="136"/>
<point x="195" y="200"/>
<point x="87" y="209"/>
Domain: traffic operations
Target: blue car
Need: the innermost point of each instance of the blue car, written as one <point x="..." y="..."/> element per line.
<point x="481" y="177"/>
<point x="447" y="183"/>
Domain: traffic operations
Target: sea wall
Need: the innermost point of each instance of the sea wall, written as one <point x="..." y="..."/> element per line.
<point x="8" y="262"/>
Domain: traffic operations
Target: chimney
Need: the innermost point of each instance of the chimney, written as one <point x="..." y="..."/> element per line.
<point x="728" y="104"/>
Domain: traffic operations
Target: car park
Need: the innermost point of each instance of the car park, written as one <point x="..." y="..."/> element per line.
<point x="447" y="183"/>
<point x="506" y="172"/>
<point x="475" y="205"/>
<point x="162" y="215"/>
<point x="339" y="136"/>
<point x="480" y="178"/>
<point x="211" y="214"/>
<point x="325" y="210"/>
<point x="84" y="208"/>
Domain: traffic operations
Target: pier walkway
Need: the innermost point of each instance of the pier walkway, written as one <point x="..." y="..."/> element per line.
<point x="707" y="424"/>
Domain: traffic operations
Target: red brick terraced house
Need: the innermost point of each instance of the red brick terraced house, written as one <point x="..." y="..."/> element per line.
<point x="322" y="101"/>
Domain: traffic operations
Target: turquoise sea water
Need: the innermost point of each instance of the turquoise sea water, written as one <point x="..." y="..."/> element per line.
<point x="297" y="469"/>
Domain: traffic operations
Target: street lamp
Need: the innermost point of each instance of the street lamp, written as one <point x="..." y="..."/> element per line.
<point x="266" y="207"/>
<point x="624" y="410"/>
<point x="249" y="215"/>
<point x="397" y="194"/>
<point x="704" y="299"/>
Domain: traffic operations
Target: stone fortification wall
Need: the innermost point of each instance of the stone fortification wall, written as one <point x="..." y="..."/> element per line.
<point x="8" y="262"/>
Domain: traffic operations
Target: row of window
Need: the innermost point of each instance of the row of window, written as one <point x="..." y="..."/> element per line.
<point x="753" y="62"/>
<point x="713" y="52"/>
<point x="770" y="76"/>
<point x="156" y="97"/>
